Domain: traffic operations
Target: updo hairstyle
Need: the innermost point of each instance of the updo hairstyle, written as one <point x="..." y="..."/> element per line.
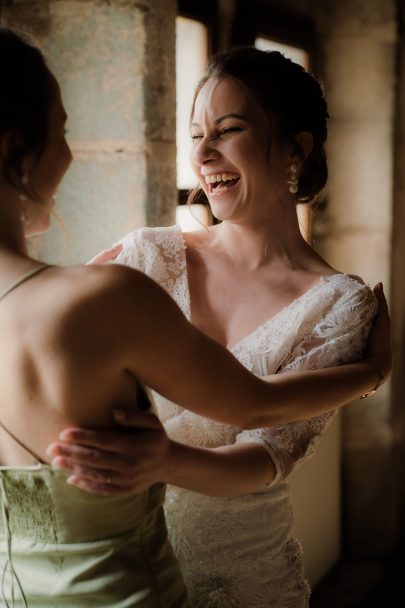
<point x="292" y="99"/>
<point x="25" y="102"/>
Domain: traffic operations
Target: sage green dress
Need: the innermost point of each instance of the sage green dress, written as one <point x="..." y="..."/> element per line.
<point x="61" y="546"/>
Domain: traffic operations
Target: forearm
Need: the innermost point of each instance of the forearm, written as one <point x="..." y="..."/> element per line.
<point x="225" y="471"/>
<point x="301" y="395"/>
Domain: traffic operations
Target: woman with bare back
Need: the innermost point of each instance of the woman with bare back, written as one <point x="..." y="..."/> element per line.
<point x="251" y="282"/>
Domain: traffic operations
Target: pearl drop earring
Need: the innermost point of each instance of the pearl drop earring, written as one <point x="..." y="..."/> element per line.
<point x="24" y="180"/>
<point x="293" y="179"/>
<point x="24" y="213"/>
<point x="24" y="217"/>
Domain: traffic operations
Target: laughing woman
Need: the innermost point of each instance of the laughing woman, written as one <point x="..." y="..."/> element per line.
<point x="60" y="545"/>
<point x="258" y="128"/>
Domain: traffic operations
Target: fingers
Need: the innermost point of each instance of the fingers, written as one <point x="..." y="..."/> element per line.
<point x="382" y="320"/>
<point x="137" y="419"/>
<point x="95" y="458"/>
<point x="104" y="476"/>
<point x="379" y="343"/>
<point x="382" y="300"/>
<point x="101" y="476"/>
<point x="106" y="489"/>
<point x="107" y="481"/>
<point x="108" y="255"/>
<point x="129" y="456"/>
<point x="107" y="441"/>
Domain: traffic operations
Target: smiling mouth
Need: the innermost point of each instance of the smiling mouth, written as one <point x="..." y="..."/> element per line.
<point x="217" y="184"/>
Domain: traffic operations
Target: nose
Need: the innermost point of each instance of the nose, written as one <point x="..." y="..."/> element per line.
<point x="204" y="151"/>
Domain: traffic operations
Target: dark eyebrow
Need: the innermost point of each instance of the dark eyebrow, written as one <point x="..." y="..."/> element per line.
<point x="225" y="116"/>
<point x="221" y="118"/>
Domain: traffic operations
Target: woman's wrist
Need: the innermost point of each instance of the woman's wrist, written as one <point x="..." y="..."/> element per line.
<point x="377" y="378"/>
<point x="173" y="460"/>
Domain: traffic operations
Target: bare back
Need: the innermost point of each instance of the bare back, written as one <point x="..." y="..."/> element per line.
<point x="58" y="363"/>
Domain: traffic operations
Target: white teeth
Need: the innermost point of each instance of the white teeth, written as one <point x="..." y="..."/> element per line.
<point x="223" y="177"/>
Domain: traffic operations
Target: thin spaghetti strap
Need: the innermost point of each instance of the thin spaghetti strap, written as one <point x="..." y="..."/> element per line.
<point x="16" y="283"/>
<point x="21" y="444"/>
<point x="25" y="277"/>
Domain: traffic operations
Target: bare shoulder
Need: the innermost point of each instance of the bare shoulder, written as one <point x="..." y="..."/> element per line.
<point x="88" y="300"/>
<point x="97" y="288"/>
<point x="198" y="238"/>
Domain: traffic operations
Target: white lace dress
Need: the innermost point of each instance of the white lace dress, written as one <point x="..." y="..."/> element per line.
<point x="240" y="552"/>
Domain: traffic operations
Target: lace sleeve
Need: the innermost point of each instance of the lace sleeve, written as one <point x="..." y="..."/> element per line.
<point x="131" y="254"/>
<point x="160" y="254"/>
<point x="337" y="338"/>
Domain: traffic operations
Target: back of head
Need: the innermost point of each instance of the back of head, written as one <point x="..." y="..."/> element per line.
<point x="292" y="99"/>
<point x="25" y="103"/>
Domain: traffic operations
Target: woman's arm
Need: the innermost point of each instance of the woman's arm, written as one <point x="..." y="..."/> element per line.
<point x="336" y="386"/>
<point x="113" y="464"/>
<point x="333" y="386"/>
<point x="163" y="344"/>
<point x="133" y="461"/>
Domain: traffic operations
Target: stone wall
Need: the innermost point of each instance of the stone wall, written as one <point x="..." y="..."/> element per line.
<point x="358" y="41"/>
<point x="115" y="64"/>
<point x="360" y="229"/>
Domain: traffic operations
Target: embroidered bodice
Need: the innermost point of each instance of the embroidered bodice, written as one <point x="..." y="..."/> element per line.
<point x="326" y="326"/>
<point x="61" y="546"/>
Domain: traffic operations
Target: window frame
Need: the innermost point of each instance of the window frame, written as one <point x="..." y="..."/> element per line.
<point x="206" y="13"/>
<point x="254" y="18"/>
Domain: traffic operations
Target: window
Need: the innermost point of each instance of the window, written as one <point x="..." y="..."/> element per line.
<point x="294" y="53"/>
<point x="191" y="60"/>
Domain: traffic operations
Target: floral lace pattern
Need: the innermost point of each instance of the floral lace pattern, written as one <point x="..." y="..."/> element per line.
<point x="239" y="551"/>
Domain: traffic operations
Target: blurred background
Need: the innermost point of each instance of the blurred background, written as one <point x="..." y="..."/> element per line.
<point x="127" y="69"/>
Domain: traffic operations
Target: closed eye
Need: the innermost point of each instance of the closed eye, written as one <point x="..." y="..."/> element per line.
<point x="229" y="130"/>
<point x="224" y="132"/>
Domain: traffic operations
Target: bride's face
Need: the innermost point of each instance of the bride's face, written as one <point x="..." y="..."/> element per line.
<point x="233" y="155"/>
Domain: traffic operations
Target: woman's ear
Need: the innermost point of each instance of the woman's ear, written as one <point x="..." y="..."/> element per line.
<point x="304" y="143"/>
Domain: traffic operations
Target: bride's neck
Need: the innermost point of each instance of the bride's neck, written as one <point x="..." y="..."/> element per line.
<point x="257" y="246"/>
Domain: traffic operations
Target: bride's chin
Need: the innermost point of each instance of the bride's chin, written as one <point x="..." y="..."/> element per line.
<point x="222" y="212"/>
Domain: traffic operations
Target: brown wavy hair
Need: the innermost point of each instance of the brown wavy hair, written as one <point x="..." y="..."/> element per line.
<point x="292" y="99"/>
<point x="25" y="103"/>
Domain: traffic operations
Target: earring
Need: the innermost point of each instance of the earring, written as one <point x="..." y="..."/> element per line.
<point x="25" y="217"/>
<point x="293" y="179"/>
<point x="24" y="180"/>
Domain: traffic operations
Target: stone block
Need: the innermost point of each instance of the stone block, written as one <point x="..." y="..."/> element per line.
<point x="100" y="200"/>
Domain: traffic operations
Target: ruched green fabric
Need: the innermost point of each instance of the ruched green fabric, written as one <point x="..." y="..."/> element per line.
<point x="61" y="546"/>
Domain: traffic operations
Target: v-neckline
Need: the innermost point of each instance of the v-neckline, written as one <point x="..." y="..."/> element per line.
<point x="319" y="283"/>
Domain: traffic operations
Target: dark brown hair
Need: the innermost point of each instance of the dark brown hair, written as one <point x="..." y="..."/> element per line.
<point x="25" y="103"/>
<point x="292" y="99"/>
